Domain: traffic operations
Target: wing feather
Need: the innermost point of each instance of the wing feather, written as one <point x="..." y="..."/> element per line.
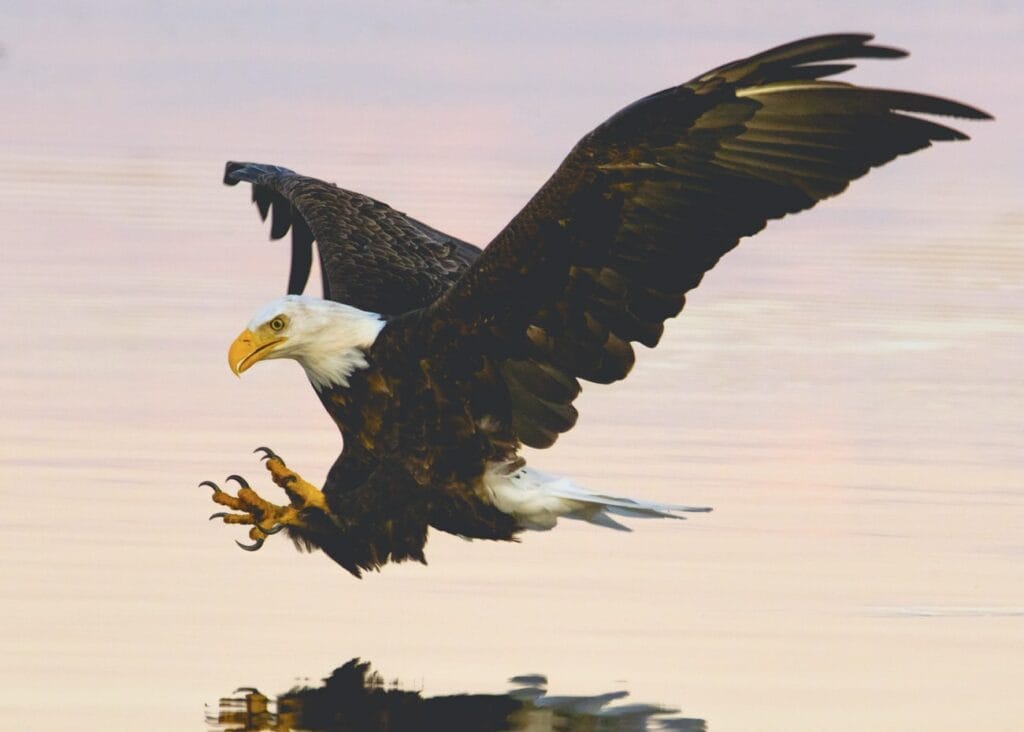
<point x="649" y="201"/>
<point x="372" y="256"/>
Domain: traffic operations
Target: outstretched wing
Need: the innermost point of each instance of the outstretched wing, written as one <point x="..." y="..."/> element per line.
<point x="371" y="256"/>
<point x="649" y="201"/>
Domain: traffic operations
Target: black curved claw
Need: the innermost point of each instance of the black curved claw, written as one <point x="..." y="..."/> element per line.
<point x="240" y="480"/>
<point x="219" y="514"/>
<point x="246" y="689"/>
<point x="270" y="532"/>
<point x="268" y="454"/>
<point x="250" y="547"/>
<point x="211" y="484"/>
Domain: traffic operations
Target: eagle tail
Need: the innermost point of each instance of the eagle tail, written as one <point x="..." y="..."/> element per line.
<point x="537" y="499"/>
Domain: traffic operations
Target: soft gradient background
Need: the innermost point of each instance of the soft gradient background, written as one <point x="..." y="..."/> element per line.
<point x="846" y="389"/>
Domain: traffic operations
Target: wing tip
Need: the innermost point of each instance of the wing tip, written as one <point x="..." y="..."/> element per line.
<point x="237" y="172"/>
<point x="230" y="168"/>
<point x="941" y="106"/>
<point x="850" y="45"/>
<point x="807" y="58"/>
<point x="973" y="113"/>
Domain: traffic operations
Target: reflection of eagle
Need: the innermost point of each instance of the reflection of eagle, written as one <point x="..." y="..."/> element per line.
<point x="356" y="698"/>
<point x="438" y="362"/>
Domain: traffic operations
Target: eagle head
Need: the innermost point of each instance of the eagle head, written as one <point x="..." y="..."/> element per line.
<point x="328" y="339"/>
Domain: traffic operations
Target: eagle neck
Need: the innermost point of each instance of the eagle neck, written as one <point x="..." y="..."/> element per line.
<point x="342" y="344"/>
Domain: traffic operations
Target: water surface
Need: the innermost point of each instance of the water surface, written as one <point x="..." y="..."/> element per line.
<point x="845" y="389"/>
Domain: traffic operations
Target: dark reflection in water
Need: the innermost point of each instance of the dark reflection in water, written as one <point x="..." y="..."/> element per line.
<point x="354" y="697"/>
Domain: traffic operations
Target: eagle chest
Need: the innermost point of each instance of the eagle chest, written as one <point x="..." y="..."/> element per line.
<point x="364" y="409"/>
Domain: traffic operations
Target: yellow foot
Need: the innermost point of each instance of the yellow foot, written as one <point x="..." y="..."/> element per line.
<point x="300" y="493"/>
<point x="267" y="518"/>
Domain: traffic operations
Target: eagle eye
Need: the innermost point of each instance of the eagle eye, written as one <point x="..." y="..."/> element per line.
<point x="277" y="324"/>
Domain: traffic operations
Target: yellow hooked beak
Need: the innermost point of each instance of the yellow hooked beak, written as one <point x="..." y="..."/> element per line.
<point x="249" y="348"/>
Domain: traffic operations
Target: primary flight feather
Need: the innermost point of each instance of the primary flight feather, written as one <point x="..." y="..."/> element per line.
<point x="438" y="362"/>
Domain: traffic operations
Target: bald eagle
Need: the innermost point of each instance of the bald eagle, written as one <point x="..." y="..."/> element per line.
<point x="439" y="361"/>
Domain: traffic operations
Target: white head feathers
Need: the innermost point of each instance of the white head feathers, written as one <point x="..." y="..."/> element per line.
<point x="327" y="338"/>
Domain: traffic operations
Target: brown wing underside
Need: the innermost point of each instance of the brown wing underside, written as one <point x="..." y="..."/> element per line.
<point x="649" y="201"/>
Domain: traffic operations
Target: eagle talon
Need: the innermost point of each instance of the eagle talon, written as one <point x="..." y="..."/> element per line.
<point x="255" y="546"/>
<point x="269" y="454"/>
<point x="263" y="518"/>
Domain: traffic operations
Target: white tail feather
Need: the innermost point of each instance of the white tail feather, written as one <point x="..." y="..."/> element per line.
<point x="537" y="500"/>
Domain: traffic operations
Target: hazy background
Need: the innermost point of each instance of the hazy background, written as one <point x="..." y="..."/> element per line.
<point x="845" y="389"/>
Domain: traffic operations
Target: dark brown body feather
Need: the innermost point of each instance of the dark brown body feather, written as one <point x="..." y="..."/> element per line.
<point x="493" y="347"/>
